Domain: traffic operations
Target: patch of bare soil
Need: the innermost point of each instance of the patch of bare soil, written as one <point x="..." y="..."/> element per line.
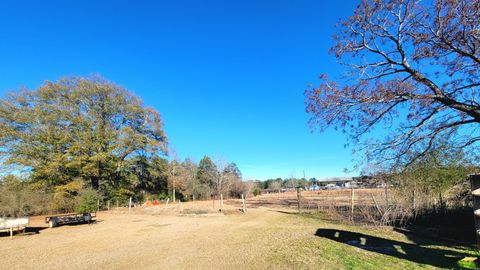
<point x="155" y="238"/>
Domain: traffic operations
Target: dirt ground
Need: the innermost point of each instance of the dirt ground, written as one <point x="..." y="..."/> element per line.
<point x="141" y="241"/>
<point x="184" y="236"/>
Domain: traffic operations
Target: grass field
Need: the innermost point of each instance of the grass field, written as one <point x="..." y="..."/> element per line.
<point x="191" y="238"/>
<point x="323" y="198"/>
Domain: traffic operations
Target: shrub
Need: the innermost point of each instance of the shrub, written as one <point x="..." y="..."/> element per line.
<point x="257" y="191"/>
<point x="87" y="201"/>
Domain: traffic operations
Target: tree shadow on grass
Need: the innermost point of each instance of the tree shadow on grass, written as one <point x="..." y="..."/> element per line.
<point x="412" y="252"/>
<point x="285" y="212"/>
<point x="420" y="237"/>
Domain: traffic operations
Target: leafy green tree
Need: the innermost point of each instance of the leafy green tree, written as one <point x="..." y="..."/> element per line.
<point x="206" y="175"/>
<point x="65" y="196"/>
<point x="80" y="128"/>
<point x="147" y="176"/>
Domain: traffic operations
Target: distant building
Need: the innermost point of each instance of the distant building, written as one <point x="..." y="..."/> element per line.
<point x="338" y="181"/>
<point x="351" y="184"/>
<point x="332" y="186"/>
<point x="335" y="179"/>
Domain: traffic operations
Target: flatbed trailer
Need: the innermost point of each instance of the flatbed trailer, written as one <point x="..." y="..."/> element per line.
<point x="13" y="224"/>
<point x="56" y="220"/>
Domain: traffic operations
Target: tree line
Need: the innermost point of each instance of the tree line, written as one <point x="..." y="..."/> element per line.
<point x="90" y="139"/>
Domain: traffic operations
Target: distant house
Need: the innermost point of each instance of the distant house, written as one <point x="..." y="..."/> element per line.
<point x="332" y="186"/>
<point x="334" y="182"/>
<point x="351" y="184"/>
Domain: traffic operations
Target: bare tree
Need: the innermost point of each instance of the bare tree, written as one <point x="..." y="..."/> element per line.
<point x="275" y="185"/>
<point x="222" y="179"/>
<point x="412" y="69"/>
<point x="250" y="186"/>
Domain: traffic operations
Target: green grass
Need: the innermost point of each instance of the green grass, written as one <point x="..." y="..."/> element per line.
<point x="334" y="245"/>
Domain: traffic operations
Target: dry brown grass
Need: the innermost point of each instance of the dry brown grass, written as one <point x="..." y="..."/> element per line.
<point x="322" y="199"/>
<point x="196" y="236"/>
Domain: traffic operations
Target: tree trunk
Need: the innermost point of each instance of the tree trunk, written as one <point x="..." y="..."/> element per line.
<point x="442" y="208"/>
<point x="95" y="182"/>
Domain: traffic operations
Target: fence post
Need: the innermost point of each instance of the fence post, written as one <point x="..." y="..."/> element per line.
<point x="352" y="206"/>
<point x="298" y="199"/>
<point x="244" y="209"/>
<point x="221" y="202"/>
<point x="129" y="204"/>
<point x="98" y="205"/>
<point x="117" y="204"/>
<point x="108" y="205"/>
<point x="475" y="186"/>
<point x="173" y="194"/>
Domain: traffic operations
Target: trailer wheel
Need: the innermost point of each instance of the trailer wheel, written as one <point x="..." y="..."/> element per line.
<point x="52" y="223"/>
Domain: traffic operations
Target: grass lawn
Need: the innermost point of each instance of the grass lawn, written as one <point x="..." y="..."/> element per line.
<point x="342" y="246"/>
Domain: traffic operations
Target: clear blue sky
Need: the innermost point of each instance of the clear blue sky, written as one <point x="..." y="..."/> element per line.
<point x="227" y="76"/>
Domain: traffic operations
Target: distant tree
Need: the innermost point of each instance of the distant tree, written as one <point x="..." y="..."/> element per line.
<point x="230" y="179"/>
<point x="192" y="185"/>
<point x="275" y="185"/>
<point x="303" y="182"/>
<point x="20" y="198"/>
<point x="181" y="173"/>
<point x="432" y="176"/>
<point x="150" y="175"/>
<point x="65" y="196"/>
<point x="251" y="188"/>
<point x="207" y="174"/>
<point x="265" y="184"/>
<point x="233" y="169"/>
<point x="290" y="183"/>
<point x="80" y="128"/>
<point x="413" y="68"/>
